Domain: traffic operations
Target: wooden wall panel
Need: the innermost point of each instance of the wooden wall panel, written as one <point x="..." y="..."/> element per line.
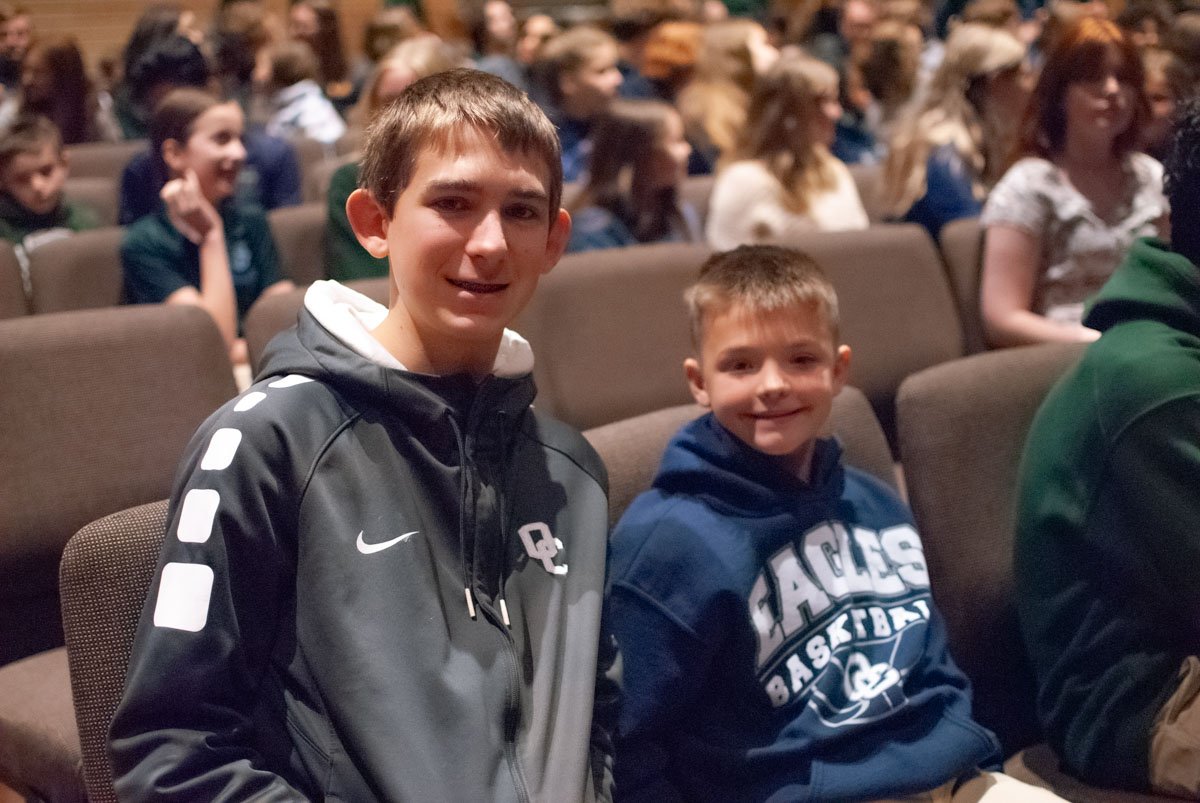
<point x="103" y="26"/>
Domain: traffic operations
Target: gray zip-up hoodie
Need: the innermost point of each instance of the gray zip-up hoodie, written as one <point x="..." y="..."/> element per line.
<point x="375" y="585"/>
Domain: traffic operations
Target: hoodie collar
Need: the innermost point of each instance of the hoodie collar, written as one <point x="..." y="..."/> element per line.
<point x="350" y="317"/>
<point x="705" y="460"/>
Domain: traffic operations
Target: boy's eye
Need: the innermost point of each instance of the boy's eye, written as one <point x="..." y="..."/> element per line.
<point x="451" y="204"/>
<point x="523" y="212"/>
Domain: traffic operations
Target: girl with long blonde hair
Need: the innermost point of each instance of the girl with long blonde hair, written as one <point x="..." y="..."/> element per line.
<point x="783" y="180"/>
<point x="950" y="149"/>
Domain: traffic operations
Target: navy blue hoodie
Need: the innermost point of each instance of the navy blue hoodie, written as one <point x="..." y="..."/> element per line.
<point x="778" y="638"/>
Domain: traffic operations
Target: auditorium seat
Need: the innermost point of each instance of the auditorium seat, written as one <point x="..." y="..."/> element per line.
<point x="98" y="407"/>
<point x="321" y="175"/>
<point x="299" y="234"/>
<point x="82" y="271"/>
<point x="106" y="573"/>
<point x="897" y="311"/>
<point x="271" y="314"/>
<point x="40" y="757"/>
<point x="868" y="179"/>
<point x="310" y="155"/>
<point x="961" y="429"/>
<point x="102" y="159"/>
<point x="13" y="303"/>
<point x="610" y="332"/>
<point x="97" y="194"/>
<point x="962" y="250"/>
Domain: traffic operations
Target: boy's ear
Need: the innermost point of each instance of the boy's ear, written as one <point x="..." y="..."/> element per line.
<point x="695" y="379"/>
<point x="560" y="235"/>
<point x="370" y="221"/>
<point x="841" y="368"/>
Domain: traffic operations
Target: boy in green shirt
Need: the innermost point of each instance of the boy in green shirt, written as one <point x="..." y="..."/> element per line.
<point x="33" y="173"/>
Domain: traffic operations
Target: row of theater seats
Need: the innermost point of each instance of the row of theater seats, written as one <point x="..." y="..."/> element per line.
<point x="904" y="306"/>
<point x="84" y="271"/>
<point x="100" y="404"/>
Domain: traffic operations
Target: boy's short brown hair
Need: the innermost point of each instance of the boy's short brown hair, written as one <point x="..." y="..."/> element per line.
<point x="432" y="111"/>
<point x="28" y="134"/>
<point x="762" y="278"/>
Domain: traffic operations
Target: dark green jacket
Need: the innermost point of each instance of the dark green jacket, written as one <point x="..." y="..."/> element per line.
<point x="1107" y="556"/>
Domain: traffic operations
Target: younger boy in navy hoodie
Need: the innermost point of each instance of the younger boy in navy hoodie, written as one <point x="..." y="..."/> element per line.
<point x="772" y="605"/>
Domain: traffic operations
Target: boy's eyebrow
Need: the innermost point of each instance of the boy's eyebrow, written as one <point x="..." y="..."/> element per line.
<point x="466" y="185"/>
<point x="738" y="349"/>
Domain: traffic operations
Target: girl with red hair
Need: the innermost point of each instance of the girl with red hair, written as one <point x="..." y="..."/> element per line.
<point x="1061" y="219"/>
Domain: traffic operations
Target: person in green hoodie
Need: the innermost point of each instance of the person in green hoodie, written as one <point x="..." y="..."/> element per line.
<point x="1108" y="520"/>
<point x="33" y="173"/>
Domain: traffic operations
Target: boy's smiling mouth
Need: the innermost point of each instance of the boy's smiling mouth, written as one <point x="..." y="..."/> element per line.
<point x="770" y="414"/>
<point x="478" y="287"/>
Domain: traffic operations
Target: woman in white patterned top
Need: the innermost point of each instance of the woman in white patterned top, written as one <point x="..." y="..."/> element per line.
<point x="1062" y="218"/>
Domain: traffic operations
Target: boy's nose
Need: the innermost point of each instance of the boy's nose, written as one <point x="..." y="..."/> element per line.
<point x="487" y="238"/>
<point x="770" y="379"/>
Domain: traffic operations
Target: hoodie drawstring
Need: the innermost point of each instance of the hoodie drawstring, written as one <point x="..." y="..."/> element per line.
<point x="503" y="520"/>
<point x="467" y="565"/>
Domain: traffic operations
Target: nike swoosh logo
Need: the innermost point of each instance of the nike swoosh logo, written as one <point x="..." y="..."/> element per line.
<point x="368" y="549"/>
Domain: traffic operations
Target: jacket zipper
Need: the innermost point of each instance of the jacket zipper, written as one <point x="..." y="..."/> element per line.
<point x="512" y="718"/>
<point x="512" y="713"/>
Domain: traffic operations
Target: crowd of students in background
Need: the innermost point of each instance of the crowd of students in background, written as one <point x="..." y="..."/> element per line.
<point x="1044" y="122"/>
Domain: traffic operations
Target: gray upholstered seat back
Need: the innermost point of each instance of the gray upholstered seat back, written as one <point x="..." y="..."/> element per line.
<point x="97" y="408"/>
<point x="962" y="429"/>
<point x="106" y="573"/>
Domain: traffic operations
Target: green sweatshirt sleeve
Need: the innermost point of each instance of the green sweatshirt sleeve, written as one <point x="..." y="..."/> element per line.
<point x="1146" y="530"/>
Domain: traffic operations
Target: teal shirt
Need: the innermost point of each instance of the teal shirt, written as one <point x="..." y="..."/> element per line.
<point x="1108" y="522"/>
<point x="345" y="258"/>
<point x="158" y="259"/>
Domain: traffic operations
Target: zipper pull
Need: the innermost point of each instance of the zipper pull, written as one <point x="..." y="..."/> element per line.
<point x="470" y="602"/>
<point x="504" y="614"/>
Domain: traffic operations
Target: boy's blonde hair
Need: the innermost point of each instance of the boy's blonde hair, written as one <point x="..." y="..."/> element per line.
<point x="762" y="278"/>
<point x="435" y="110"/>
